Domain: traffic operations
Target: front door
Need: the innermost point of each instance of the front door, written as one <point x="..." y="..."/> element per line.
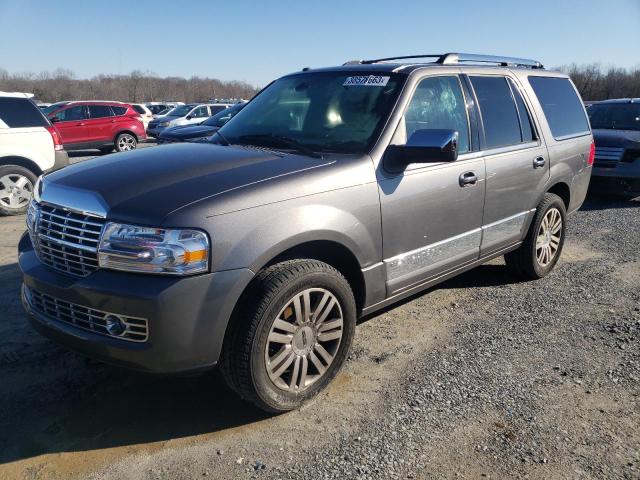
<point x="431" y="212"/>
<point x="71" y="123"/>
<point x="517" y="163"/>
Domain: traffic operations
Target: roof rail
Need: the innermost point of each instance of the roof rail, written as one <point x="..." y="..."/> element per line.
<point x="457" y="58"/>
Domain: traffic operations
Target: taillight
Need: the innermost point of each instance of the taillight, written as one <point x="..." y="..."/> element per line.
<point x="55" y="136"/>
<point x="592" y="153"/>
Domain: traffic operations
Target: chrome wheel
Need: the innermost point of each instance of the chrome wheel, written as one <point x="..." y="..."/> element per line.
<point x="126" y="142"/>
<point x="548" y="238"/>
<point x="304" y="339"/>
<point x="15" y="191"/>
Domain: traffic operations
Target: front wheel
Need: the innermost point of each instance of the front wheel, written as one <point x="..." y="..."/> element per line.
<point x="125" y="142"/>
<point x="16" y="187"/>
<point x="291" y="335"/>
<point x="542" y="247"/>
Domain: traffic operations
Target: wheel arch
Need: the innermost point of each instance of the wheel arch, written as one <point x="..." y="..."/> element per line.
<point x="21" y="162"/>
<point x="563" y="191"/>
<point x="130" y="132"/>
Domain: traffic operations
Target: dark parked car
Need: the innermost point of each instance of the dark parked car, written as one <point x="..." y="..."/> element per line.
<point x="331" y="195"/>
<point x="205" y="129"/>
<point x="616" y="130"/>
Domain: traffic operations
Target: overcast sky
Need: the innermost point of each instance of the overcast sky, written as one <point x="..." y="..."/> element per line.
<point x="258" y="41"/>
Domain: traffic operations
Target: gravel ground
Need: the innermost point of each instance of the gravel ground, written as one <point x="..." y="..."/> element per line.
<point x="480" y="377"/>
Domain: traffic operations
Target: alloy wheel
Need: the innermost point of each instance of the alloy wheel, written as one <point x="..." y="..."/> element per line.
<point x="126" y="142"/>
<point x="304" y="339"/>
<point x="548" y="238"/>
<point x="15" y="190"/>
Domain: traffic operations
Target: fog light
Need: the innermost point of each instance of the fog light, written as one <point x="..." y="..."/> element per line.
<point x="114" y="325"/>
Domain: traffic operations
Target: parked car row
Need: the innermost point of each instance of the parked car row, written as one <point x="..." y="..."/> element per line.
<point x="188" y="114"/>
<point x="208" y="127"/>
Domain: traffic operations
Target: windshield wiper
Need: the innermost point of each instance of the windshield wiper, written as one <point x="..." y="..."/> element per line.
<point x="282" y="141"/>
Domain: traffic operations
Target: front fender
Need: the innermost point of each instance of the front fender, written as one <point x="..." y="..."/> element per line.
<point x="253" y="237"/>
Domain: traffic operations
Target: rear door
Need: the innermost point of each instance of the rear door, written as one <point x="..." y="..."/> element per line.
<point x="431" y="217"/>
<point x="516" y="160"/>
<point x="72" y="125"/>
<point x="100" y="123"/>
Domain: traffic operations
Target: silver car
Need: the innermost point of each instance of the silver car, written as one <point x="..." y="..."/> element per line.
<point x="334" y="193"/>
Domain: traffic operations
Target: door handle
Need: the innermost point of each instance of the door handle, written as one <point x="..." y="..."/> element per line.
<point x="538" y="162"/>
<point x="468" y="178"/>
<point x="81" y="124"/>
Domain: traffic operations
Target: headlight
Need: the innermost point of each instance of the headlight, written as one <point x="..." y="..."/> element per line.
<point x="163" y="124"/>
<point x="153" y="250"/>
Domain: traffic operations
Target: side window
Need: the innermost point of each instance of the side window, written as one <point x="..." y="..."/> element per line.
<point x="216" y="108"/>
<point x="71" y="114"/>
<point x="119" y="110"/>
<point x="200" y="112"/>
<point x="498" y="111"/>
<point x="100" y="111"/>
<point x="561" y="105"/>
<point x="139" y="109"/>
<point x="437" y="103"/>
<point x="526" y="125"/>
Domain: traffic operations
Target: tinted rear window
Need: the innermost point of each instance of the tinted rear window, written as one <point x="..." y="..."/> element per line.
<point x="21" y="113"/>
<point x="498" y="110"/>
<point x="561" y="106"/>
<point x="119" y="110"/>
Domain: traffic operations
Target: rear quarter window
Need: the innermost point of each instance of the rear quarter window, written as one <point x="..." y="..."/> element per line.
<point x="139" y="109"/>
<point x="119" y="110"/>
<point x="21" y="113"/>
<point x="562" y="107"/>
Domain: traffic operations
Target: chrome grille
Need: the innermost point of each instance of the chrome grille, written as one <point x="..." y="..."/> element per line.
<point x="84" y="317"/>
<point x="608" y="156"/>
<point x="66" y="240"/>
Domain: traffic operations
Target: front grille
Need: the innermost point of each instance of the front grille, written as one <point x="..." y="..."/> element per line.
<point x="68" y="241"/>
<point x="84" y="317"/>
<point x="608" y="157"/>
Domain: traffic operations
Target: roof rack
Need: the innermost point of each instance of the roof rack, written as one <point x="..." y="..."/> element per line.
<point x="457" y="58"/>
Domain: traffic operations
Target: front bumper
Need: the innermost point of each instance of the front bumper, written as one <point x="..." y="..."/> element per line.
<point x="155" y="131"/>
<point x="187" y="316"/>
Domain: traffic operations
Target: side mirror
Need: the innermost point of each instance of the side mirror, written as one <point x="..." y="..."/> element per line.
<point x="189" y="117"/>
<point x="425" y="146"/>
<point x="54" y="119"/>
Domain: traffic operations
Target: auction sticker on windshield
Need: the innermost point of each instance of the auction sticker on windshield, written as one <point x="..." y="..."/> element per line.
<point x="366" y="81"/>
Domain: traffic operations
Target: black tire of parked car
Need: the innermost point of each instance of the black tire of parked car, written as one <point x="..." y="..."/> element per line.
<point x="17" y="171"/>
<point x="242" y="362"/>
<point x="524" y="261"/>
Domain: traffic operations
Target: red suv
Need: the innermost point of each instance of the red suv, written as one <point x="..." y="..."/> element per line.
<point x="101" y="125"/>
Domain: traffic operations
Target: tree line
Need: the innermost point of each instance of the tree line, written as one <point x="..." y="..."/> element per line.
<point x="593" y="82"/>
<point x="135" y="87"/>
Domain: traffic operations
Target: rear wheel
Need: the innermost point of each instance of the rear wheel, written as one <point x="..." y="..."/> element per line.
<point x="291" y="335"/>
<point x="125" y="142"/>
<point x="16" y="187"/>
<point x="542" y="247"/>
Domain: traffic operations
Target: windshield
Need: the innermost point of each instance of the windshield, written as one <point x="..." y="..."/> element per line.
<point x="53" y="107"/>
<point x="180" y="111"/>
<point x="222" y="117"/>
<point x="615" y="116"/>
<point x="323" y="112"/>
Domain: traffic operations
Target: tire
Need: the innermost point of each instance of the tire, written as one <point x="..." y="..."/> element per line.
<point x="16" y="187"/>
<point x="105" y="150"/>
<point x="257" y="347"/>
<point x="125" y="142"/>
<point x="530" y="261"/>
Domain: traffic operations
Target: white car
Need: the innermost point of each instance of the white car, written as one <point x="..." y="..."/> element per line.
<point x="190" y="113"/>
<point x="29" y="147"/>
<point x="144" y="112"/>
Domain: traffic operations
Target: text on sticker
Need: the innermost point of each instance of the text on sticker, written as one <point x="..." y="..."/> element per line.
<point x="366" y="81"/>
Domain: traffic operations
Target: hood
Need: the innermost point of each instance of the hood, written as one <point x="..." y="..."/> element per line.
<point x="146" y="185"/>
<point x="188" y="131"/>
<point x="617" y="138"/>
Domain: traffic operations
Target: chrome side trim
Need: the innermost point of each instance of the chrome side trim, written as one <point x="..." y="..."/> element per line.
<point x="503" y="229"/>
<point x="428" y="255"/>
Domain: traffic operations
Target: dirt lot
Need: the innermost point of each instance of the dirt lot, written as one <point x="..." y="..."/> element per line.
<point x="480" y="377"/>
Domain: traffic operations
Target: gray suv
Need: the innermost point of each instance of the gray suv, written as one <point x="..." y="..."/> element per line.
<point x="334" y="193"/>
